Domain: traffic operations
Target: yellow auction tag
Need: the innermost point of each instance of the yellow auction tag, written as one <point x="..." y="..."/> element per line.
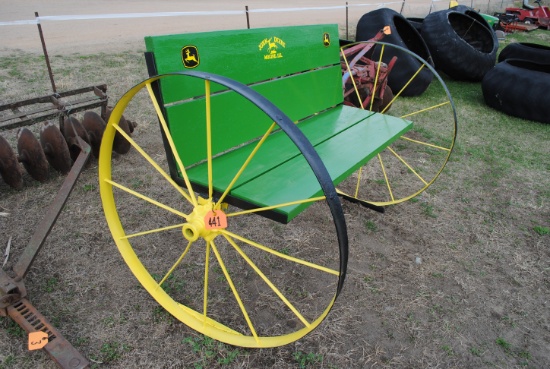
<point x="215" y="220"/>
<point x="37" y="340"/>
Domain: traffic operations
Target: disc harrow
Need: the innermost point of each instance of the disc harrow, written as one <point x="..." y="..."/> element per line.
<point x="65" y="146"/>
<point x="58" y="145"/>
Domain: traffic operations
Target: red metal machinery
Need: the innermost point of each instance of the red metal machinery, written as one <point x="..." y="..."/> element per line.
<point x="530" y="15"/>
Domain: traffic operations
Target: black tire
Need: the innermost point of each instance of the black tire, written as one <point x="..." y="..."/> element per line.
<point x="404" y="35"/>
<point x="527" y="51"/>
<point x="519" y="88"/>
<point x="461" y="47"/>
<point x="474" y="14"/>
<point x="416" y="23"/>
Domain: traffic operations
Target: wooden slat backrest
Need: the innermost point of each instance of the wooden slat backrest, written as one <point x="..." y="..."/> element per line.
<point x="297" y="68"/>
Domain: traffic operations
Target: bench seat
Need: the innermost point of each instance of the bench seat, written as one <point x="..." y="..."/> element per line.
<point x="344" y="137"/>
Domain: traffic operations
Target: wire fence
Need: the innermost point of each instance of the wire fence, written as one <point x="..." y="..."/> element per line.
<point x="412" y="8"/>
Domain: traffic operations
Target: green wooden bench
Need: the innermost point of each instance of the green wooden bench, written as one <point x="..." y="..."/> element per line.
<point x="253" y="118"/>
<point x="297" y="69"/>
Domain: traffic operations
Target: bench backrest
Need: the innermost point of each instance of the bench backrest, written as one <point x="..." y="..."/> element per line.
<point x="297" y="68"/>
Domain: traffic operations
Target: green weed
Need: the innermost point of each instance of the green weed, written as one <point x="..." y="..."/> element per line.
<point x="13" y="329"/>
<point x="428" y="210"/>
<point x="89" y="187"/>
<point x="504" y="344"/>
<point x="542" y="230"/>
<point x="371" y="226"/>
<point x="448" y="350"/>
<point x="211" y="351"/>
<point x="51" y="284"/>
<point x="304" y="360"/>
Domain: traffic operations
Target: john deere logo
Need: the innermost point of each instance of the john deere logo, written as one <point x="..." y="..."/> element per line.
<point x="326" y="39"/>
<point x="272" y="47"/>
<point x="190" y="57"/>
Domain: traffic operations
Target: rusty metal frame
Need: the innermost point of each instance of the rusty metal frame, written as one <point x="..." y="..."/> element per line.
<point x="13" y="301"/>
<point x="53" y="106"/>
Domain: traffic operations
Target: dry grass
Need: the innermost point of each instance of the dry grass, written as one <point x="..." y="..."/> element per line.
<point x="457" y="278"/>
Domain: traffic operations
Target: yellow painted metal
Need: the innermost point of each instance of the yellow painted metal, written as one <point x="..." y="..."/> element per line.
<point x="164" y="125"/>
<point x="245" y="164"/>
<point x="414" y="139"/>
<point x="377" y="75"/>
<point x="281" y="255"/>
<point x="193" y="229"/>
<point x="250" y="211"/>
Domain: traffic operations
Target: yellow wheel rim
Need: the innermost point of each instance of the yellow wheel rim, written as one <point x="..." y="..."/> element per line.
<point x="411" y="164"/>
<point x="257" y="281"/>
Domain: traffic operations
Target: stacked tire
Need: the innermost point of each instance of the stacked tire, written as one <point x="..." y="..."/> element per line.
<point x="461" y="43"/>
<point x="519" y="84"/>
<point x="404" y="35"/>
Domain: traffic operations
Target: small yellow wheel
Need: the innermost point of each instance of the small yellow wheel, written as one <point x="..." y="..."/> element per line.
<point x="230" y="274"/>
<point x="412" y="163"/>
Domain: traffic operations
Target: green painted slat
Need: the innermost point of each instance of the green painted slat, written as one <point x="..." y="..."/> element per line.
<point x="342" y="155"/>
<point x="244" y="55"/>
<point x="276" y="149"/>
<point x="235" y="120"/>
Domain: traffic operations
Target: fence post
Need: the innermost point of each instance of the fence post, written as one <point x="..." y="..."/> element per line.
<point x="50" y="73"/>
<point x="247" y="18"/>
<point x="347" y="29"/>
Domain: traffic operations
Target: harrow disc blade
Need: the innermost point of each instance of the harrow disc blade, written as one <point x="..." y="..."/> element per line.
<point x="55" y="148"/>
<point x="120" y="144"/>
<point x="9" y="166"/>
<point x="71" y="129"/>
<point x="94" y="125"/>
<point x="31" y="155"/>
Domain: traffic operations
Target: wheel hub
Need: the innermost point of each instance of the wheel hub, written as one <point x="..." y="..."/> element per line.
<point x="196" y="226"/>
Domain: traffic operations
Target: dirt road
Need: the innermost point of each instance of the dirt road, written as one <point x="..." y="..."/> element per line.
<point x="107" y="34"/>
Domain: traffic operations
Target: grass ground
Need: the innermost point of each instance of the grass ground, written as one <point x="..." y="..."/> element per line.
<point x="455" y="278"/>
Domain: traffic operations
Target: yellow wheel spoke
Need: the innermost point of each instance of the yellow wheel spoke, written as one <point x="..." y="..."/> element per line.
<point x="267" y="281"/>
<point x="407" y="165"/>
<point x="385" y="177"/>
<point x="235" y="292"/>
<point x="313" y="199"/>
<point x="352" y="79"/>
<point x="425" y="143"/>
<point x="376" y="78"/>
<point x="156" y="230"/>
<point x="171" y="143"/>
<point x="153" y="163"/>
<point x="403" y="89"/>
<point x="176" y="263"/>
<point x="425" y="109"/>
<point x="281" y="255"/>
<point x="358" y="181"/>
<point x="245" y="164"/>
<point x="145" y="198"/>
<point x="206" y="269"/>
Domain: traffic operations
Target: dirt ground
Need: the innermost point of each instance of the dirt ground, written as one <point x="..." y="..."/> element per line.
<point x="457" y="278"/>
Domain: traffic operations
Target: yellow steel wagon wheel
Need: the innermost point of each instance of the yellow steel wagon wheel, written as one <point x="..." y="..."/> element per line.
<point x="417" y="93"/>
<point x="228" y="273"/>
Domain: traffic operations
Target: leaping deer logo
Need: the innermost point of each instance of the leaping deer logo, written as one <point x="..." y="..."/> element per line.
<point x="272" y="46"/>
<point x="190" y="56"/>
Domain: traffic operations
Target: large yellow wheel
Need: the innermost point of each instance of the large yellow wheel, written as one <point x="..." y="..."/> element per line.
<point x="254" y="282"/>
<point x="409" y="165"/>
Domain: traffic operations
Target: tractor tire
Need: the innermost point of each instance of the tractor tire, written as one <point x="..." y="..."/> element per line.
<point x="527" y="51"/>
<point x="474" y="14"/>
<point x="461" y="46"/>
<point x="404" y="35"/>
<point x="519" y="88"/>
<point x="416" y="23"/>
